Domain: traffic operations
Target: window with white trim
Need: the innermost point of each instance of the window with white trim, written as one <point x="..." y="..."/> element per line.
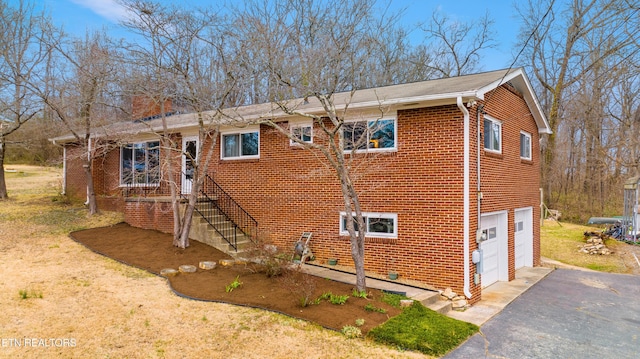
<point x="140" y="164"/>
<point x="371" y="135"/>
<point x="383" y="225"/>
<point x="492" y="134"/>
<point x="304" y="133"/>
<point x="240" y="144"/>
<point x="525" y="146"/>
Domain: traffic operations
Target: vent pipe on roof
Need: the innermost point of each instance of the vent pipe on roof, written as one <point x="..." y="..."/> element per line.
<point x="466" y="196"/>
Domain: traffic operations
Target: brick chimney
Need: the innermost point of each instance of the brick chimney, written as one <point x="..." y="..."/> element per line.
<point x="144" y="107"/>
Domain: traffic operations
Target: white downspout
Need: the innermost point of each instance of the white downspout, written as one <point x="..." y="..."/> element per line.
<point x="466" y="205"/>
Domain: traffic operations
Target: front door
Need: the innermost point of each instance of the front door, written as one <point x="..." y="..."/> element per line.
<point x="189" y="160"/>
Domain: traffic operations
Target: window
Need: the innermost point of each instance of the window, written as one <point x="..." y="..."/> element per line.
<point x="377" y="224"/>
<point x="241" y="145"/>
<point x="140" y="163"/>
<point x="492" y="135"/>
<point x="302" y="132"/>
<point x="489" y="233"/>
<point x="370" y="135"/>
<point x="519" y="226"/>
<point x="525" y="146"/>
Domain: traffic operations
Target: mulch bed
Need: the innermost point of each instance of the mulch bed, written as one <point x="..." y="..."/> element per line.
<point x="153" y="251"/>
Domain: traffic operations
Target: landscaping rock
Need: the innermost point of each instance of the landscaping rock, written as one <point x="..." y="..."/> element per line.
<point x="406" y="302"/>
<point x="168" y="272"/>
<point x="449" y="294"/>
<point x="206" y="265"/>
<point x="187" y="268"/>
<point x="459" y="304"/>
<point x="241" y="261"/>
<point x="227" y="262"/>
<point x="594" y="245"/>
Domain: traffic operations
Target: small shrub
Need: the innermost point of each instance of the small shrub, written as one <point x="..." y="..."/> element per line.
<point x="325" y="296"/>
<point x="338" y="299"/>
<point x="269" y="258"/>
<point x="233" y="285"/>
<point x="300" y="285"/>
<point x="359" y="294"/>
<point x="351" y="332"/>
<point x="332" y="298"/>
<point x="359" y="322"/>
<point x="372" y="308"/>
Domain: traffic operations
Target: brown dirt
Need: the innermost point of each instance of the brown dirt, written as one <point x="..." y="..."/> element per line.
<point x="153" y="251"/>
<point x="61" y="300"/>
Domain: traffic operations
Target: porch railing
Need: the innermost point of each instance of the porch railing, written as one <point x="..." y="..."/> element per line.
<point x="224" y="214"/>
<point x="214" y="204"/>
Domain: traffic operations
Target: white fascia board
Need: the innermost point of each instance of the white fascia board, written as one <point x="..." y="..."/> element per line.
<point x="372" y="104"/>
<point x="519" y="78"/>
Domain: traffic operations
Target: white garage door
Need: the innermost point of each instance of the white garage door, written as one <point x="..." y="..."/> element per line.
<point x="523" y="238"/>
<point x="494" y="249"/>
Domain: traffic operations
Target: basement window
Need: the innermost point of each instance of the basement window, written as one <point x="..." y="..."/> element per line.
<point x="381" y="225"/>
<point x="140" y="164"/>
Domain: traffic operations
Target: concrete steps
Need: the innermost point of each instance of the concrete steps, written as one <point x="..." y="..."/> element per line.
<point x="433" y="301"/>
<point x="202" y="231"/>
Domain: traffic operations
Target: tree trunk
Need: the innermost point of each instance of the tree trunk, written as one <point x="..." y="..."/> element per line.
<point x="352" y="204"/>
<point x="3" y="183"/>
<point x="91" y="194"/>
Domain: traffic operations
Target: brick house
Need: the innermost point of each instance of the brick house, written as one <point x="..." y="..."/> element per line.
<point x="449" y="178"/>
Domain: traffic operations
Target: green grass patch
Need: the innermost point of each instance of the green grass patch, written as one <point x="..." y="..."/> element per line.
<point x="421" y="329"/>
<point x="393" y="299"/>
<point x="372" y="308"/>
<point x="26" y="294"/>
<point x="561" y="242"/>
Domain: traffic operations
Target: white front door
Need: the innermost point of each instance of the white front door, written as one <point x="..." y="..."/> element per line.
<point x="523" y="241"/>
<point x="189" y="159"/>
<point x="495" y="265"/>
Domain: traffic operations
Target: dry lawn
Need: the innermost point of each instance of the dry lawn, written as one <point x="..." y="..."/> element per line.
<point x="59" y="299"/>
<point x="562" y="241"/>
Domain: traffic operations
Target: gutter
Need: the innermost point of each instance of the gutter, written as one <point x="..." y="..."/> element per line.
<point x="466" y="205"/>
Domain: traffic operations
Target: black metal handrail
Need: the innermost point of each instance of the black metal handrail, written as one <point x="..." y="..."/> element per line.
<point x="224" y="214"/>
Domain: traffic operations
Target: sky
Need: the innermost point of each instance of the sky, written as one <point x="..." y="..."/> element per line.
<point x="79" y="16"/>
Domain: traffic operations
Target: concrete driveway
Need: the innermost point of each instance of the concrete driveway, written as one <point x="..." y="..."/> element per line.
<point x="568" y="314"/>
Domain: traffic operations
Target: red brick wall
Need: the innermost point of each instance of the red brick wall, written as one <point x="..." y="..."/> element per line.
<point x="290" y="190"/>
<point x="149" y="213"/>
<point x="76" y="184"/>
<point x="143" y="106"/>
<point x="509" y="182"/>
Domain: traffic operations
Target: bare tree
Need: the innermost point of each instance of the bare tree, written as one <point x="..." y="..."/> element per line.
<point x="312" y="50"/>
<point x="78" y="90"/>
<point x="22" y="54"/>
<point x="186" y="59"/>
<point x="453" y="48"/>
<point x="558" y="39"/>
